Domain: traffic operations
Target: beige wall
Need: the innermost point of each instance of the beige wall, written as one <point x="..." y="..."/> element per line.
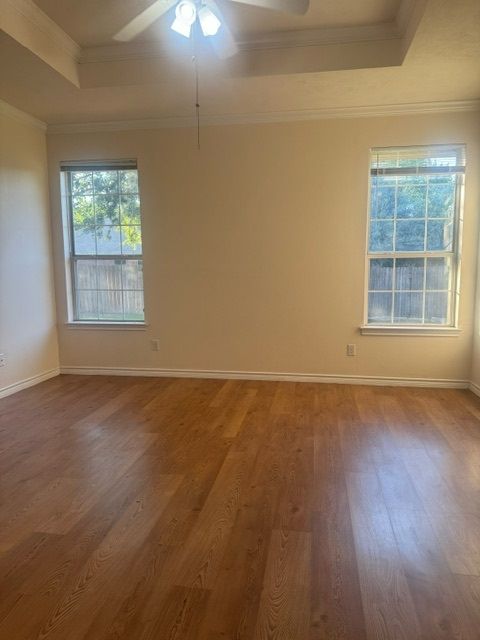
<point x="254" y="248"/>
<point x="475" y="368"/>
<point x="27" y="309"/>
<point x="475" y="372"/>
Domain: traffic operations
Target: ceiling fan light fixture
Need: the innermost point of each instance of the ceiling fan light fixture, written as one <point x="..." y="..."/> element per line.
<point x="185" y="16"/>
<point x="209" y="22"/>
<point x="180" y="27"/>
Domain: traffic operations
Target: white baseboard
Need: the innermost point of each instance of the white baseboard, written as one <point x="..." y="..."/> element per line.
<point x="438" y="383"/>
<point x="267" y="375"/>
<point x="28" y="382"/>
<point x="474" y="388"/>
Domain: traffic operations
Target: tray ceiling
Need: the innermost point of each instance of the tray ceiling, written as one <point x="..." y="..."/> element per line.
<point x="58" y="61"/>
<point x="92" y="23"/>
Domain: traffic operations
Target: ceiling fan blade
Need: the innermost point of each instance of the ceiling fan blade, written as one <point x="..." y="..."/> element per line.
<point x="223" y="42"/>
<point x="298" y="7"/>
<point x="144" y="20"/>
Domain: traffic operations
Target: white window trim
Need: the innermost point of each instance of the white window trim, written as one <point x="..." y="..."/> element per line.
<point x="425" y="330"/>
<point x="106" y="326"/>
<point x="409" y="330"/>
<point x="70" y="321"/>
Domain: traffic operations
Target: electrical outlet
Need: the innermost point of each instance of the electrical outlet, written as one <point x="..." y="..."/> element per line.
<point x="351" y="349"/>
<point x="3" y="359"/>
<point x="155" y="344"/>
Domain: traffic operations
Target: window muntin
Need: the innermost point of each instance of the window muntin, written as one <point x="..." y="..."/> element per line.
<point x="413" y="235"/>
<point x="105" y="241"/>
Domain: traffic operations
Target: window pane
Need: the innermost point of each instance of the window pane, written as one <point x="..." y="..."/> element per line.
<point x="130" y="209"/>
<point x="105" y="181"/>
<point x="83" y="212"/>
<point x="87" y="305"/>
<point x="382" y="198"/>
<point x="436" y="307"/>
<point x="84" y="241"/>
<point x="381" y="272"/>
<point x="439" y="235"/>
<point x="411" y="197"/>
<point x="441" y="197"/>
<point x="409" y="273"/>
<point x="82" y="183"/>
<point x="410" y="235"/>
<point x="438" y="273"/>
<point x="133" y="274"/>
<point x="110" y="305"/>
<point x="86" y="274"/>
<point x="133" y="301"/>
<point x="132" y="240"/>
<point x="128" y="181"/>
<point x="108" y="240"/>
<point x="380" y="308"/>
<point x="109" y="274"/>
<point x="107" y="209"/>
<point x="408" y="308"/>
<point x="381" y="236"/>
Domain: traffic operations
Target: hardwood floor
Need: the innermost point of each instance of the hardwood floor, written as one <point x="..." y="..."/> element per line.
<point x="161" y="509"/>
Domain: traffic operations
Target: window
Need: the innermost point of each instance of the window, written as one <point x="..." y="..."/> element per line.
<point x="102" y="204"/>
<point x="413" y="235"/>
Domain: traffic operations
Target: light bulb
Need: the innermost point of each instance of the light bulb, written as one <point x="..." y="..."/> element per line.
<point x="185" y="15"/>
<point x="208" y="21"/>
<point x="186" y="11"/>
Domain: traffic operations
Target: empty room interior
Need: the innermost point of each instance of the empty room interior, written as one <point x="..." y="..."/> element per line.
<point x="239" y="320"/>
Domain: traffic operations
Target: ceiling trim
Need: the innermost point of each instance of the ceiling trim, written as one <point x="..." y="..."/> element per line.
<point x="278" y="40"/>
<point x="42" y="21"/>
<point x="24" y="22"/>
<point x="270" y="117"/>
<point x="314" y="37"/>
<point x="10" y="111"/>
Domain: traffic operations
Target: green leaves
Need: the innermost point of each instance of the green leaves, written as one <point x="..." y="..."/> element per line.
<point x="106" y="212"/>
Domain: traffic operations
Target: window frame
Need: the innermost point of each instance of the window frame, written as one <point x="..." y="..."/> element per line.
<point x="72" y="258"/>
<point x="422" y="329"/>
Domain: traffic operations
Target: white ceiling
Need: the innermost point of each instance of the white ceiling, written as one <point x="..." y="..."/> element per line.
<point x="342" y="54"/>
<point x="92" y="23"/>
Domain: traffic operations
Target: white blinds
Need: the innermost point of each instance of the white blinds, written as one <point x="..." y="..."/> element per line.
<point x="426" y="160"/>
<point x="97" y="165"/>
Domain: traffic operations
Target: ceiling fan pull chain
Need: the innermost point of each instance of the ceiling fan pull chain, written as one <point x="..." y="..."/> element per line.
<point x="197" y="92"/>
<point x="197" y="103"/>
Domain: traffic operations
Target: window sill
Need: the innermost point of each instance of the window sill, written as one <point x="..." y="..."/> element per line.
<point x="107" y="326"/>
<point x="388" y="330"/>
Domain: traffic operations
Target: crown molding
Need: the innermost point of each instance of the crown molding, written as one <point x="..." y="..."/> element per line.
<point x="277" y="40"/>
<point x="25" y="118"/>
<point x="316" y="37"/>
<point x="49" y="27"/>
<point x="270" y="117"/>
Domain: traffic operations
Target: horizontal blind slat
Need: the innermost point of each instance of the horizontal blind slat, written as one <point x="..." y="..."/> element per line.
<point x="98" y="165"/>
<point x="413" y="171"/>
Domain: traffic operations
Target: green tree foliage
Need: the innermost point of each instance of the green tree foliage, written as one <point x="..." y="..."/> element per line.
<point x="104" y="202"/>
<point x="420" y="204"/>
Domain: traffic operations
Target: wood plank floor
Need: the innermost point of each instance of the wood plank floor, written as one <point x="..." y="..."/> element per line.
<point x="162" y="509"/>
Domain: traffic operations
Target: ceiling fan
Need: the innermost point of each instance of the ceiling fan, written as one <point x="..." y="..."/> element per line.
<point x="209" y="17"/>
